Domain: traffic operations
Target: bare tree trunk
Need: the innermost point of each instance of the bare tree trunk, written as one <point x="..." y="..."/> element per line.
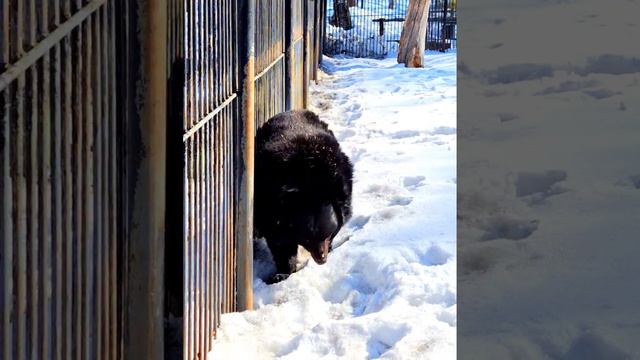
<point x="341" y="15"/>
<point x="414" y="31"/>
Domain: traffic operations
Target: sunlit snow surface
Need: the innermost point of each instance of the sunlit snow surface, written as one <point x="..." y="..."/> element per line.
<point x="388" y="289"/>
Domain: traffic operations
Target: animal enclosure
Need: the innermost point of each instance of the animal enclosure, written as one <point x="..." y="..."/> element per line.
<point x="126" y="139"/>
<point x="372" y="28"/>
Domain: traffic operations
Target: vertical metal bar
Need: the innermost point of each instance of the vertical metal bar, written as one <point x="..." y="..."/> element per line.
<point x="89" y="191"/>
<point x="105" y="118"/>
<point x="188" y="178"/>
<point x="6" y="220"/>
<point x="6" y="226"/>
<point x="231" y="167"/>
<point x="206" y="63"/>
<point x="214" y="228"/>
<point x="21" y="222"/>
<point x="98" y="173"/>
<point x="197" y="243"/>
<point x="213" y="53"/>
<point x="20" y="192"/>
<point x="219" y="55"/>
<point x="289" y="58"/>
<point x="77" y="191"/>
<point x="211" y="226"/>
<point x="245" y="219"/>
<point x="67" y="190"/>
<point x="57" y="216"/>
<point x="219" y="230"/>
<point x="114" y="204"/>
<point x="199" y="52"/>
<point x="46" y="204"/>
<point x="228" y="215"/>
<point x="33" y="212"/>
<point x="225" y="144"/>
<point x="33" y="189"/>
<point x="207" y="233"/>
<point x="145" y="283"/>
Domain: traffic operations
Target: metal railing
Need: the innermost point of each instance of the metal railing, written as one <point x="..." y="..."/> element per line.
<point x="59" y="162"/>
<point x="220" y="102"/>
<point x="442" y="25"/>
<point x="126" y="134"/>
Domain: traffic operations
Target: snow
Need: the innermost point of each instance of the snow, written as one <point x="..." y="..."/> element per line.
<point x="388" y="289"/>
<point x="548" y="201"/>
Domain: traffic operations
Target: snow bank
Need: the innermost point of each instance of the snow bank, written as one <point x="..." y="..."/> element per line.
<point x="388" y="289"/>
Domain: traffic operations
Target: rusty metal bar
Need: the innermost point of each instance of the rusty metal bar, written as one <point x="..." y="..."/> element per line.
<point x="145" y="284"/>
<point x="27" y="60"/>
<point x="6" y="190"/>
<point x="244" y="227"/>
<point x="67" y="82"/>
<point x="6" y="225"/>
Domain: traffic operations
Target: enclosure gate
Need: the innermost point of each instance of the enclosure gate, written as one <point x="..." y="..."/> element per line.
<point x="59" y="180"/>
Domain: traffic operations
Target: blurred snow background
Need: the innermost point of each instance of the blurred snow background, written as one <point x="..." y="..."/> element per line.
<point x="549" y="190"/>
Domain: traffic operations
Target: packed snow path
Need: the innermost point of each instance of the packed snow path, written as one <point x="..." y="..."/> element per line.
<point x="388" y="289"/>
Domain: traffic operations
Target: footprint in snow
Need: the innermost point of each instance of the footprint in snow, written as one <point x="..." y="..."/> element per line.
<point x="443" y="130"/>
<point x="400" y="200"/>
<point x="345" y="134"/>
<point x="413" y="182"/>
<point x="502" y="227"/>
<point x="358" y="222"/>
<point x="403" y="134"/>
<point x="357" y="154"/>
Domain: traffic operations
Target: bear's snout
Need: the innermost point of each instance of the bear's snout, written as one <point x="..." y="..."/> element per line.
<point x="321" y="252"/>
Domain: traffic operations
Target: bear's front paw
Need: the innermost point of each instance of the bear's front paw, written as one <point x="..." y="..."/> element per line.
<point x="277" y="278"/>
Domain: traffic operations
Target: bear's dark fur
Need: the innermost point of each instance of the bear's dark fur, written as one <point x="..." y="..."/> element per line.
<point x="302" y="188"/>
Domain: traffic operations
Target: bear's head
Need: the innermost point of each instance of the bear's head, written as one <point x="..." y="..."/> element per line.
<point x="313" y="223"/>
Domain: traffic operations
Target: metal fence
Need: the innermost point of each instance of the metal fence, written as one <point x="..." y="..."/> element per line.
<point x="59" y="163"/>
<point x="204" y="108"/>
<point x="212" y="95"/>
<point x="372" y="28"/>
<point x="270" y="59"/>
<point x="442" y="25"/>
<point x="126" y="139"/>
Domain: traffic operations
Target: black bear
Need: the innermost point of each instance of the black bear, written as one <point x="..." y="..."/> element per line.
<point x="303" y="187"/>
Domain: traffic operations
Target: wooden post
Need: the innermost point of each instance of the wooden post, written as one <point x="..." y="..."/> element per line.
<point x="414" y="31"/>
